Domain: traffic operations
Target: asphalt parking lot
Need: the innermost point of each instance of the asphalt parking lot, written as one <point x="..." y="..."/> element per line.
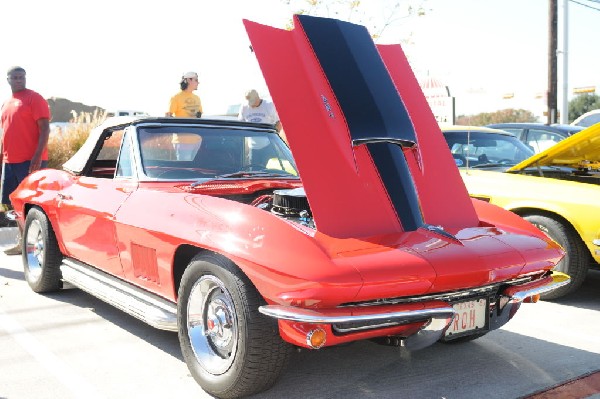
<point x="71" y="345"/>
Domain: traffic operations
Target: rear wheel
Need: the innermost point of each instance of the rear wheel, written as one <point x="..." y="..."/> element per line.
<point x="41" y="255"/>
<point x="230" y="348"/>
<point x="577" y="258"/>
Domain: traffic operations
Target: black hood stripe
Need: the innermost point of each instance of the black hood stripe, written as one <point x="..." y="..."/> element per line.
<point x="370" y="103"/>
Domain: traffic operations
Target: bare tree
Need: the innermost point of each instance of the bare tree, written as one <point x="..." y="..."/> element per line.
<point x="376" y="15"/>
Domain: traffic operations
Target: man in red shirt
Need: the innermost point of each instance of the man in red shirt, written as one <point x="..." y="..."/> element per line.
<point x="25" y="127"/>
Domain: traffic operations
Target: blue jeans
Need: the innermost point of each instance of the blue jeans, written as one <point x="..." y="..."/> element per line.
<point x="12" y="175"/>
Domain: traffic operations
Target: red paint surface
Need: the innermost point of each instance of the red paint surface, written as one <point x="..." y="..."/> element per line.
<point x="580" y="388"/>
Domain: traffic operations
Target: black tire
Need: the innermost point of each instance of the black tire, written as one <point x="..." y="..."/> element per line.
<point x="242" y="352"/>
<point x="41" y="255"/>
<point x="577" y="257"/>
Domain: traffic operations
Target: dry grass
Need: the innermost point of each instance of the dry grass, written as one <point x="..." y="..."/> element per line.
<point x="62" y="146"/>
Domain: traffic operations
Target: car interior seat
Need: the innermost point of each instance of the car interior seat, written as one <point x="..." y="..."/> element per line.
<point x="460" y="160"/>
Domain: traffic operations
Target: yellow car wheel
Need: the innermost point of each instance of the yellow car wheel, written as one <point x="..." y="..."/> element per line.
<point x="577" y="258"/>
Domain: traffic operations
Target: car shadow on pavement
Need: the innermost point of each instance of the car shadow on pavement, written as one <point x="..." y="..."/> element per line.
<point x="587" y="296"/>
<point x="166" y="341"/>
<point x="11" y="274"/>
<point x="502" y="364"/>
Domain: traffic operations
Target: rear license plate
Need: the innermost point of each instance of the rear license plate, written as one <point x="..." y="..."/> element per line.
<point x="470" y="316"/>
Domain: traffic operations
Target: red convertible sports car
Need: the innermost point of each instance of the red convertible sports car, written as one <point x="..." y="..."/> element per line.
<point x="212" y="229"/>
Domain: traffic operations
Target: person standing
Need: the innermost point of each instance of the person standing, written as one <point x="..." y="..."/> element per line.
<point x="26" y="127"/>
<point x="186" y="104"/>
<point x="258" y="110"/>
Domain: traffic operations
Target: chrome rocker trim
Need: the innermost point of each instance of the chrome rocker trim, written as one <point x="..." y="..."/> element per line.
<point x="145" y="306"/>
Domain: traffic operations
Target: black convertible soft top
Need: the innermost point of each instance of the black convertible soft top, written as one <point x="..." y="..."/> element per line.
<point x="76" y="164"/>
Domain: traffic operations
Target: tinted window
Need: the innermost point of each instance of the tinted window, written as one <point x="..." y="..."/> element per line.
<point x="540" y="140"/>
<point x="486" y="149"/>
<point x="590" y="120"/>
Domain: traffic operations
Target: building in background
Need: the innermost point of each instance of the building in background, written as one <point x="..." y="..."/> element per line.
<point x="439" y="99"/>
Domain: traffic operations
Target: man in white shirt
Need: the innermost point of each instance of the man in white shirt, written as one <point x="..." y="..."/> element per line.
<point x="259" y="111"/>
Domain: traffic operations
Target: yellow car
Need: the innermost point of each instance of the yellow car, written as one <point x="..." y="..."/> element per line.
<point x="557" y="190"/>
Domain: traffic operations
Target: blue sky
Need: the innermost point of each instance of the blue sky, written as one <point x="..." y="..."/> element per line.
<point x="131" y="54"/>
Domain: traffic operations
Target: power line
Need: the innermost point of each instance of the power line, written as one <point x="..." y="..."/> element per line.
<point x="587" y="5"/>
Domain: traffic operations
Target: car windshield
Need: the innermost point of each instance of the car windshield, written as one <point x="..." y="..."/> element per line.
<point x="486" y="150"/>
<point x="200" y="152"/>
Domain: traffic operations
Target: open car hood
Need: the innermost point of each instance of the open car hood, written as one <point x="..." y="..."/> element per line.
<point x="581" y="150"/>
<point x="370" y="153"/>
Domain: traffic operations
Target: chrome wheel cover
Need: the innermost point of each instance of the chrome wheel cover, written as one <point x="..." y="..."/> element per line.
<point x="34" y="249"/>
<point x="212" y="325"/>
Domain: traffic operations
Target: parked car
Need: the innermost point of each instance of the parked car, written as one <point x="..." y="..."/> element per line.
<point x="588" y="119"/>
<point x="538" y="136"/>
<point x="247" y="252"/>
<point x="125" y="112"/>
<point x="558" y="190"/>
<point x="484" y="147"/>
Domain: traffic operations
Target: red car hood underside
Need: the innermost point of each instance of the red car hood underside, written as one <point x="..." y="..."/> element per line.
<point x="345" y="105"/>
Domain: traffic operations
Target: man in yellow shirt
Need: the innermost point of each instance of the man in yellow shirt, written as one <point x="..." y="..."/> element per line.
<point x="186" y="104"/>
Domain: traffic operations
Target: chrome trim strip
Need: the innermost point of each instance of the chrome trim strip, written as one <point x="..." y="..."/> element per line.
<point x="558" y="280"/>
<point x="385" y="324"/>
<point x="393" y="140"/>
<point x="311" y="316"/>
<point x="143" y="305"/>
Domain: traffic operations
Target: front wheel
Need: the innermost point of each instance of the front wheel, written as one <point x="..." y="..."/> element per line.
<point x="230" y="348"/>
<point x="577" y="258"/>
<point x="41" y="254"/>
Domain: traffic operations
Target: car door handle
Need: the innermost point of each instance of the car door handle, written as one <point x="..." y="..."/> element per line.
<point x="63" y="197"/>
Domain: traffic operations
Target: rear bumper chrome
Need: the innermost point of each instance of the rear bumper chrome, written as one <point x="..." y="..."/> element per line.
<point x="519" y="293"/>
<point x="435" y="315"/>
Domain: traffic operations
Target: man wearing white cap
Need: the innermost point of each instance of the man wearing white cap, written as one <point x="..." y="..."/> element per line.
<point x="259" y="110"/>
<point x="186" y="104"/>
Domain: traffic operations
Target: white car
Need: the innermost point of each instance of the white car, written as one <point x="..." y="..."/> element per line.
<point x="588" y="119"/>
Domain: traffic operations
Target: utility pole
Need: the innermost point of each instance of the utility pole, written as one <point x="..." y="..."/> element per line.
<point x="552" y="73"/>
<point x="564" y="106"/>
